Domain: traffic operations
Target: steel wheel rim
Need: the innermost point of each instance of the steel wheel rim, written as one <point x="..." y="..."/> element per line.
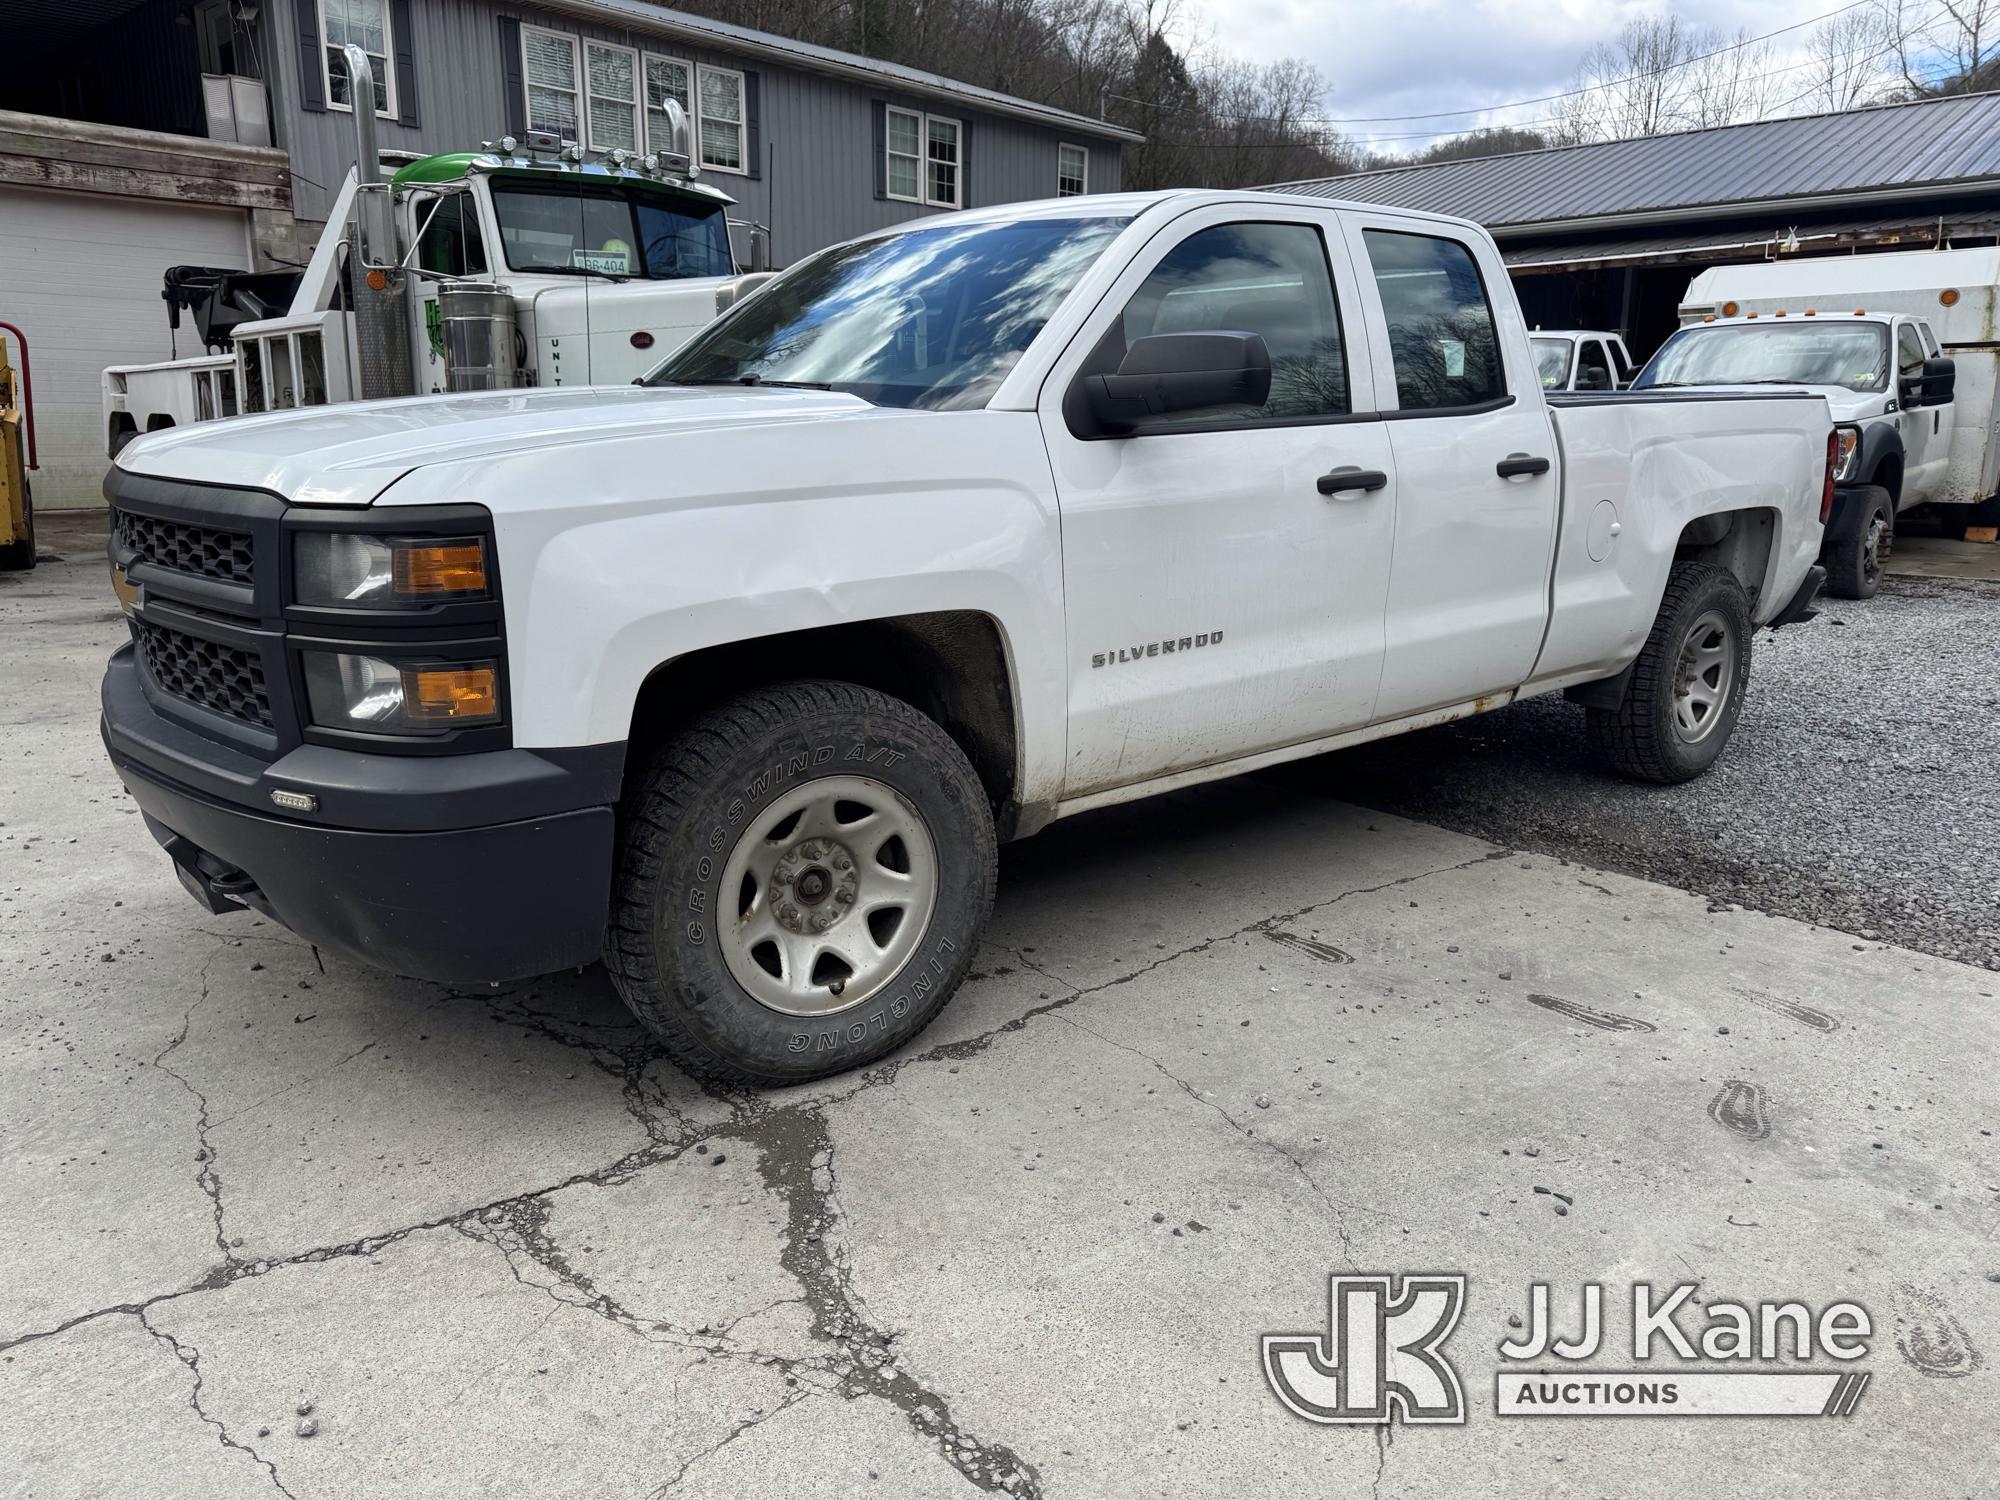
<point x="827" y="893"/>
<point x="1871" y="551"/>
<point x="1704" y="676"/>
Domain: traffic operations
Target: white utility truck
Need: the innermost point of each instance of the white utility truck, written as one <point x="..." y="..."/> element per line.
<point x="736" y="676"/>
<point x="524" y="263"/>
<point x="1905" y="348"/>
<point x="1581" y="359"/>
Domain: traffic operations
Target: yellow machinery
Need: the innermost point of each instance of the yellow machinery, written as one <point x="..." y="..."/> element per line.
<point x="17" y="510"/>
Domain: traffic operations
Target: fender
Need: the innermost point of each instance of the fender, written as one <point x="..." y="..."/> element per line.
<point x="1881" y="439"/>
<point x="620" y="556"/>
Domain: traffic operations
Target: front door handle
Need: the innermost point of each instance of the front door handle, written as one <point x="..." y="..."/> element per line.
<point x="1348" y="478"/>
<point x="1518" y="465"/>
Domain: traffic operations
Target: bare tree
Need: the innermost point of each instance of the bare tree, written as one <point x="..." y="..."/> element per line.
<point x="1944" y="46"/>
<point x="1847" y="62"/>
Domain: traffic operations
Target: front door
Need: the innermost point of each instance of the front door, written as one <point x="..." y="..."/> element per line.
<point x="1223" y="594"/>
<point x="1477" y="480"/>
<point x="1926" y="430"/>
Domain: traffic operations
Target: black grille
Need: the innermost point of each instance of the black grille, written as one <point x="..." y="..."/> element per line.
<point x="213" y="676"/>
<point x="202" y="550"/>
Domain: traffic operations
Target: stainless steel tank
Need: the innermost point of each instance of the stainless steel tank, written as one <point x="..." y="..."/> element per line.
<point x="481" y="347"/>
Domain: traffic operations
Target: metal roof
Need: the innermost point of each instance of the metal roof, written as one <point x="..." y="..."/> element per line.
<point x="1892" y="151"/>
<point x="815" y="59"/>
<point x="1771" y="243"/>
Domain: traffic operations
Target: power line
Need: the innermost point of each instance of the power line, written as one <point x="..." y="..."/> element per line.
<point x="1442" y="114"/>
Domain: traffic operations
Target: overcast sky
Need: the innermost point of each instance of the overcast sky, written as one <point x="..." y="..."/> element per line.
<point x="1395" y="57"/>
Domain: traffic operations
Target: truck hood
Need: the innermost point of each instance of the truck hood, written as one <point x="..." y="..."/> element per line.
<point x="1846" y="405"/>
<point x="348" y="454"/>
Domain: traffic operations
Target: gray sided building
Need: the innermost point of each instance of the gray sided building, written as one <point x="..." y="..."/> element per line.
<point x="1608" y="235"/>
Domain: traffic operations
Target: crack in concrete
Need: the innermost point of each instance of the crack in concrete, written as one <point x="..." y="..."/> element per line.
<point x="1333" y="1207"/>
<point x="795" y="1157"/>
<point x="206" y="1177"/>
<point x="796" y="1161"/>
<point x="792" y="1398"/>
<point x="190" y="1356"/>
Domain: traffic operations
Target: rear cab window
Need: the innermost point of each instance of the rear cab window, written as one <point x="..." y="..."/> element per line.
<point x="1443" y="344"/>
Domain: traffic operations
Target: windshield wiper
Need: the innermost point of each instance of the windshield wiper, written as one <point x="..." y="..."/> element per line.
<point x="789" y="385"/>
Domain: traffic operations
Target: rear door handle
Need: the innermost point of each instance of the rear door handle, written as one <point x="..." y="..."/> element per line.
<point x="1517" y="465"/>
<point x="1347" y="478"/>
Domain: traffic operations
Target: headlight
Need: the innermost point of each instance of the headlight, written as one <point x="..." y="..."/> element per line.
<point x="350" y="571"/>
<point x="1847" y="457"/>
<point x="386" y="697"/>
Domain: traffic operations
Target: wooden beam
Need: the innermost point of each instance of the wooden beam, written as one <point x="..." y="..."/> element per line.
<point x="129" y="182"/>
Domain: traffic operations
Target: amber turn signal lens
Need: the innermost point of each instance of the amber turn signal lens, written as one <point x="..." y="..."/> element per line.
<point x="433" y="694"/>
<point x="441" y="569"/>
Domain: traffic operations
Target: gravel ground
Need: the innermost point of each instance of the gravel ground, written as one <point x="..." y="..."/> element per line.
<point x="1858" y="792"/>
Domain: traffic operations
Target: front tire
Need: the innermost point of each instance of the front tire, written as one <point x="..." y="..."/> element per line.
<point x="1687" y="685"/>
<point x="803" y="874"/>
<point x="1854" y="563"/>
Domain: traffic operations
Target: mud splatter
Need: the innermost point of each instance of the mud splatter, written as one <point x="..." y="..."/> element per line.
<point x="1932" y="1341"/>
<point x="1325" y="952"/>
<point x="1742" y="1109"/>
<point x="1603" y="1020"/>
<point x="1791" y="1010"/>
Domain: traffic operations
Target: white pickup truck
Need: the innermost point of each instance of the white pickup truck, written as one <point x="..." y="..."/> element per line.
<point x="736" y="676"/>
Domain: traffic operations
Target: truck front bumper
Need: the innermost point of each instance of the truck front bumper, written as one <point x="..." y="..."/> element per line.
<point x="458" y="868"/>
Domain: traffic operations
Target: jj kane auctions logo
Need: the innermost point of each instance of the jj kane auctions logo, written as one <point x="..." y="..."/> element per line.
<point x="1381" y="1357"/>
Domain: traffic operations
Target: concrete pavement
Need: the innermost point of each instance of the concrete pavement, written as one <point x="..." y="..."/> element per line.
<point x="1218" y="1046"/>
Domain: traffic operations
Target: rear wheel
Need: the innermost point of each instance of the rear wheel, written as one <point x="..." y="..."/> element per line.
<point x="1687" y="685"/>
<point x="803" y="874"/>
<point x="1854" y="563"/>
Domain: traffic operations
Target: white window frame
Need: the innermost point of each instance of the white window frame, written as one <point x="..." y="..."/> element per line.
<point x="575" y="45"/>
<point x="924" y="121"/>
<point x="646" y="101"/>
<point x="389" y="110"/>
<point x="741" y="122"/>
<point x="1082" y="176"/>
<point x="634" y="104"/>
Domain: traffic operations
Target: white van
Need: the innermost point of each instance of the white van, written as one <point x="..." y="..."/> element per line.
<point x="1938" y="305"/>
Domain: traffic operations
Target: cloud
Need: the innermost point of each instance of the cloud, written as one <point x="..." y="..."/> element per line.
<point x="1403" y="57"/>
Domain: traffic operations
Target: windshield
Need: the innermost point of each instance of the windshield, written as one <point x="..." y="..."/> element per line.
<point x="1552" y="362"/>
<point x="574" y="227"/>
<point x="931" y="318"/>
<point x="1854" y="355"/>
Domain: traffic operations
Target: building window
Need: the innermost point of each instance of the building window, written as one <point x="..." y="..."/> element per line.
<point x="721" y="123"/>
<point x="549" y="68"/>
<point x="666" y="78"/>
<point x="614" y="96"/>
<point x="923" y="158"/>
<point x="1072" y="171"/>
<point x="365" y="23"/>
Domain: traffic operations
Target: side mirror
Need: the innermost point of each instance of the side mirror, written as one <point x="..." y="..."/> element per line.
<point x="1593" y="380"/>
<point x="1940" y="379"/>
<point x="1171" y="373"/>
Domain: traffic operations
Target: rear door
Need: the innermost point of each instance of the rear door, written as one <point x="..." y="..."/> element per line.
<point x="1476" y="480"/>
<point x="1219" y="601"/>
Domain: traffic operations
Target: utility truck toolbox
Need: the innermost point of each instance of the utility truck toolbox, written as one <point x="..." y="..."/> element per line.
<point x="737" y="676"/>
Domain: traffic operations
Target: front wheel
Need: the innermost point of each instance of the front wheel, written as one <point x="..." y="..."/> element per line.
<point x="1854" y="562"/>
<point x="803" y="874"/>
<point x="1687" y="685"/>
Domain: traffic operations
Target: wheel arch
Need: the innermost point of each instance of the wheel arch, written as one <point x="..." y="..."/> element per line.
<point x="954" y="666"/>
<point x="1742" y="542"/>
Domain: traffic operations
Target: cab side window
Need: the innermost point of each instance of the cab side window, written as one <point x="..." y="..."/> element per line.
<point x="451" y="245"/>
<point x="1268" y="279"/>
<point x="1621" y="363"/>
<point x="1593" y="368"/>
<point x="1909" y="353"/>
<point x="1442" y="338"/>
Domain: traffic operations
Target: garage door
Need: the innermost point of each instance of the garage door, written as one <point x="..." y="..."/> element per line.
<point x="80" y="274"/>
